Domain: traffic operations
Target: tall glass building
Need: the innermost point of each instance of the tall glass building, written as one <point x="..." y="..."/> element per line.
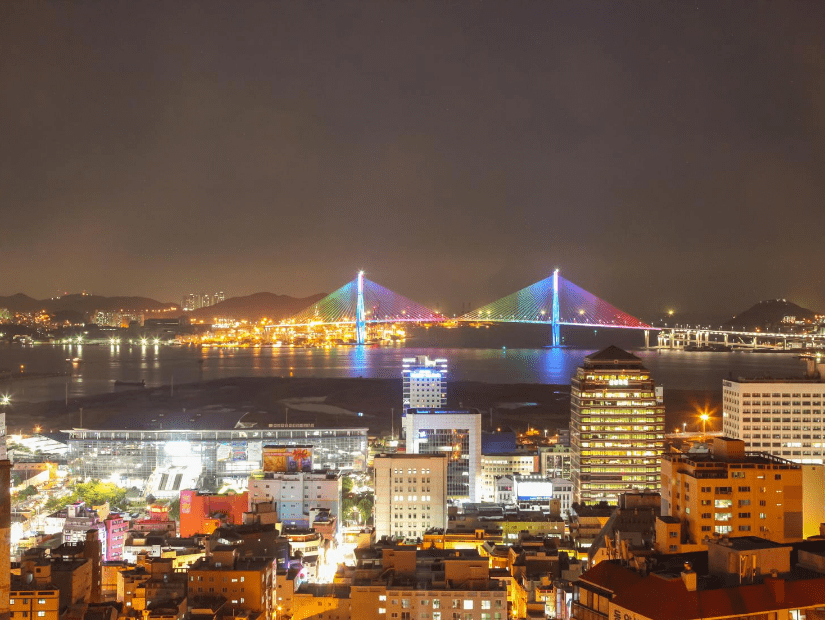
<point x="617" y="427"/>
<point x="456" y="434"/>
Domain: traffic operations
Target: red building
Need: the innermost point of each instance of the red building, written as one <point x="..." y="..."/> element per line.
<point x="203" y="513"/>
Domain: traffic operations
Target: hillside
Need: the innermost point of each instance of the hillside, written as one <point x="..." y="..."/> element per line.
<point x="257" y="306"/>
<point x="83" y="304"/>
<point x="769" y="312"/>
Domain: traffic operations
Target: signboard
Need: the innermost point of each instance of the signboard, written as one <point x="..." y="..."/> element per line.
<point x="538" y="490"/>
<point x="287" y="458"/>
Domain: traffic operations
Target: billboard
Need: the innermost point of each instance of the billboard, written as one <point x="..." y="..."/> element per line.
<point x="534" y="490"/>
<point x="287" y="458"/>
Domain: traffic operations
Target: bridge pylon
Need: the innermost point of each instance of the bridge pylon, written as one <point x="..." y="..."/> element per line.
<point x="554" y="314"/>
<point x="360" y="315"/>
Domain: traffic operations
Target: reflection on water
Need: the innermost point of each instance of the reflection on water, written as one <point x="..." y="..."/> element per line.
<point x="98" y="367"/>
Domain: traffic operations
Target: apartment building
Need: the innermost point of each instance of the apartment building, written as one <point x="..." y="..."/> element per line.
<point x="728" y="491"/>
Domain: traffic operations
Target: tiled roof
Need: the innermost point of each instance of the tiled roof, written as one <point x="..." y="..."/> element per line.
<point x="668" y="599"/>
<point x="613" y="353"/>
<point x="611" y="576"/>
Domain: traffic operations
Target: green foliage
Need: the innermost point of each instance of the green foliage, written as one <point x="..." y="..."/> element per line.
<point x="93" y="493"/>
<point x="346" y="484"/>
<point x="26" y="493"/>
<point x="174" y="510"/>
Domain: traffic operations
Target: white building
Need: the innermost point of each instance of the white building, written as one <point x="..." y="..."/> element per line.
<point x="554" y="461"/>
<point x="296" y="496"/>
<point x="410" y="494"/>
<point x="424" y="383"/>
<point x="456" y="434"/>
<point x="783" y="417"/>
<point x="505" y="464"/>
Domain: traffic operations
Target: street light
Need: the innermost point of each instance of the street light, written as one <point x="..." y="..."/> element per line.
<point x="704" y="417"/>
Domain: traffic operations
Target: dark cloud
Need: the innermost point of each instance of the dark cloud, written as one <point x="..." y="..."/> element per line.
<point x="662" y="154"/>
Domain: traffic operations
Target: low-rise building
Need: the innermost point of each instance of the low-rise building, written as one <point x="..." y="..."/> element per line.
<point x="297" y="495"/>
<point x="746" y="578"/>
<point x="245" y="583"/>
<point x="730" y="491"/>
<point x="202" y="513"/>
<point x="495" y="465"/>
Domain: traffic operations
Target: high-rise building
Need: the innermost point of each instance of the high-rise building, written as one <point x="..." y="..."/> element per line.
<point x="410" y="494"/>
<point x="5" y="522"/>
<point x="738" y="493"/>
<point x="456" y="434"/>
<point x="424" y="383"/>
<point x="617" y="427"/>
<point x="783" y="417"/>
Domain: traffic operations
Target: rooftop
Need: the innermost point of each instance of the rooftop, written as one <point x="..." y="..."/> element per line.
<point x="612" y="356"/>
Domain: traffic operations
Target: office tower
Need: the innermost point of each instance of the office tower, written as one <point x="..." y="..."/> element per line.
<point x="410" y="494"/>
<point x="783" y="417"/>
<point x="730" y="491"/>
<point x="456" y="434"/>
<point x="617" y="427"/>
<point x="5" y="522"/>
<point x="424" y="383"/>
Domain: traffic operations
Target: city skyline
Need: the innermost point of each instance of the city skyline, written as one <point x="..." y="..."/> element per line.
<point x="663" y="158"/>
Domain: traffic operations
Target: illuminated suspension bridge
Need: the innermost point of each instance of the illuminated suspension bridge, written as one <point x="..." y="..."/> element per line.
<point x="554" y="301"/>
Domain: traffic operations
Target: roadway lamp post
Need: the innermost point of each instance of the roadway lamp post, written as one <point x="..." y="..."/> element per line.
<point x="704" y="417"/>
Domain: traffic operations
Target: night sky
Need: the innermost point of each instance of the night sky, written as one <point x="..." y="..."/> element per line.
<point x="663" y="155"/>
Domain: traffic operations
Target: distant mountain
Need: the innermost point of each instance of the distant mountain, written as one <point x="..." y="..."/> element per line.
<point x="84" y="304"/>
<point x="769" y="312"/>
<point x="257" y="306"/>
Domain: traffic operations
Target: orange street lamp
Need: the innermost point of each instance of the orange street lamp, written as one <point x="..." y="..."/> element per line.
<point x="704" y="417"/>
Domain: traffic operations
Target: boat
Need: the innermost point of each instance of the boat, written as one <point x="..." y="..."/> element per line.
<point x="140" y="383"/>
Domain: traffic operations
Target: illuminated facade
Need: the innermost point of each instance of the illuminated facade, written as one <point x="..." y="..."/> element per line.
<point x="456" y="434"/>
<point x="126" y="456"/>
<point x="424" y="383"/>
<point x="617" y="427"/>
<point x="783" y="417"/>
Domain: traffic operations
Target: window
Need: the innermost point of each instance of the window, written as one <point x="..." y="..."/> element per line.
<point x="485" y="604"/>
<point x="468" y="603"/>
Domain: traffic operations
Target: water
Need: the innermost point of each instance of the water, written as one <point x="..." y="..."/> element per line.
<point x="100" y="366"/>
